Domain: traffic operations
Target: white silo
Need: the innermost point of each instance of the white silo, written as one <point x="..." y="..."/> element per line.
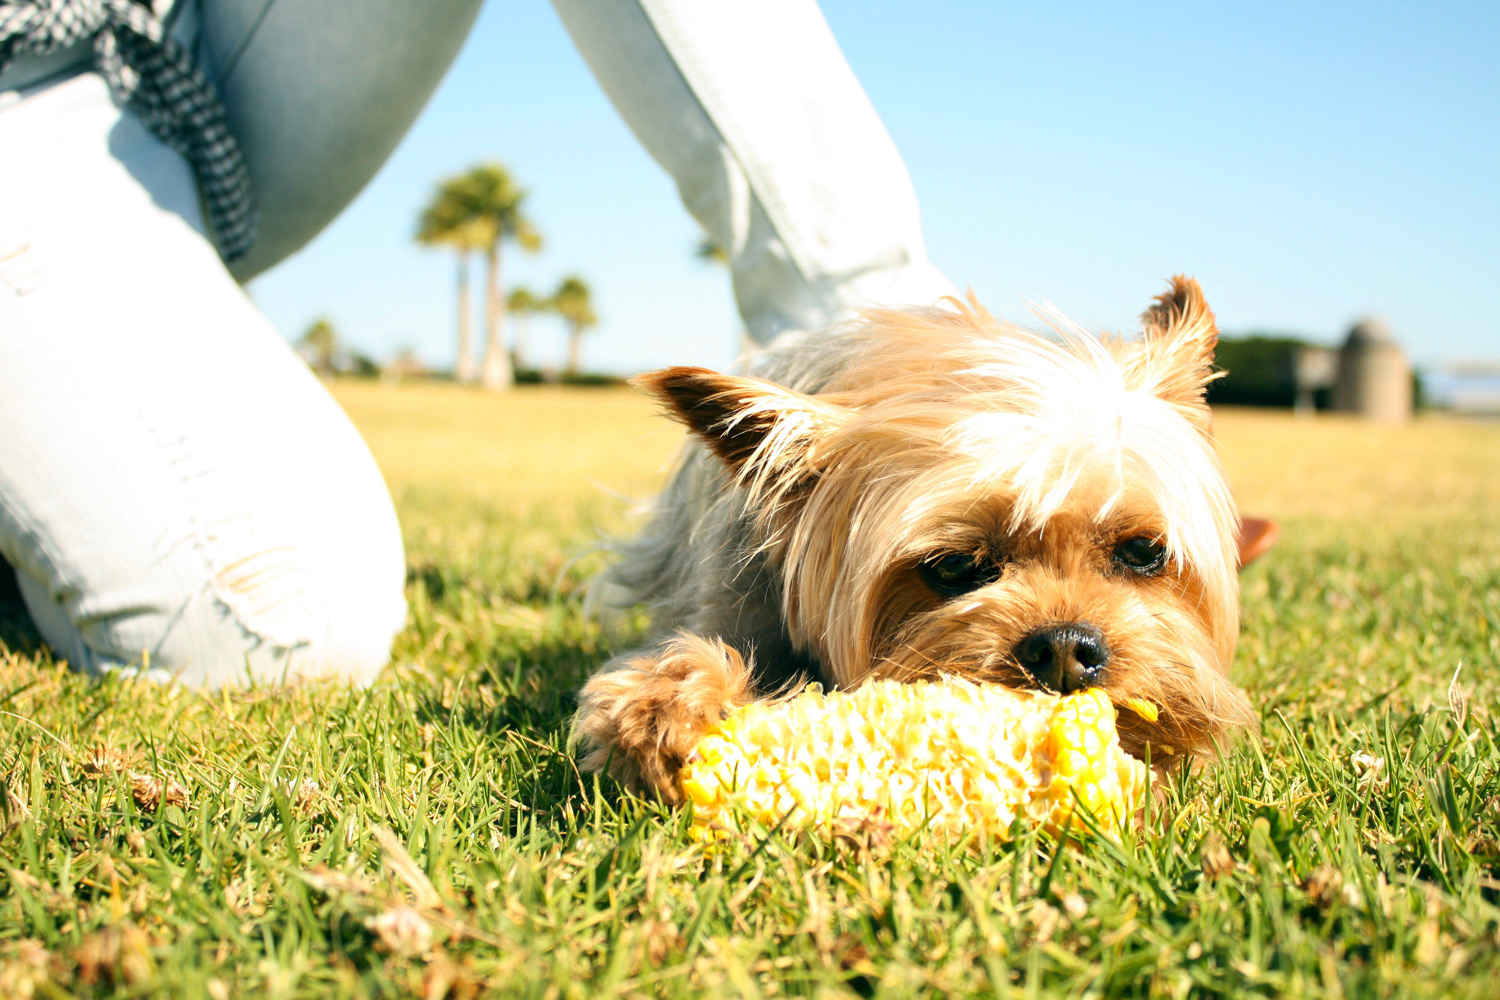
<point x="1374" y="377"/>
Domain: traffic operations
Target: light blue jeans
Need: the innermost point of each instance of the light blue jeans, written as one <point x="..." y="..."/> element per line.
<point x="178" y="494"/>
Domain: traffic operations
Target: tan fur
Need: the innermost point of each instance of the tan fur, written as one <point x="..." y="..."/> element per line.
<point x="641" y="721"/>
<point x="797" y="525"/>
<point x="1180" y="336"/>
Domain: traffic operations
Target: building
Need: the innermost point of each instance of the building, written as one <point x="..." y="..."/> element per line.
<point x="1313" y="368"/>
<point x="1373" y="377"/>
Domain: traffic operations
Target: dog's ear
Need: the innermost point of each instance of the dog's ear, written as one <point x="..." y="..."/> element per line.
<point x="1177" y="359"/>
<point x="745" y="421"/>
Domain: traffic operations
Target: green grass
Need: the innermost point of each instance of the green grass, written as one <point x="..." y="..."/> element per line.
<point x="297" y="828"/>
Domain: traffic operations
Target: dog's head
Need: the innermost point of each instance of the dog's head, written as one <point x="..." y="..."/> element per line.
<point x="968" y="497"/>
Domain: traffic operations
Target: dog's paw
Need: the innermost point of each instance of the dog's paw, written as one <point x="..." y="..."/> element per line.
<point x="642" y="720"/>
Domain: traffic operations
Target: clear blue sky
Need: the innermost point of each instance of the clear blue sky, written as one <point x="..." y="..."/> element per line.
<point x="1310" y="163"/>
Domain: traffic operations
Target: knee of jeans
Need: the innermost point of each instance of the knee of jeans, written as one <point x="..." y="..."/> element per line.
<point x="257" y="614"/>
<point x="329" y="607"/>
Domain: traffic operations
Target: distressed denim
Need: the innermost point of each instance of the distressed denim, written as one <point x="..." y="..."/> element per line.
<point x="177" y="490"/>
<point x="178" y="494"/>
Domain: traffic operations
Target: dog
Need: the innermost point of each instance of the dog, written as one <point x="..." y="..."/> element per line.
<point x="932" y="491"/>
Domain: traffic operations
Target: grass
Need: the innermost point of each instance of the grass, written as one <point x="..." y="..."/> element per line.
<point x="430" y="836"/>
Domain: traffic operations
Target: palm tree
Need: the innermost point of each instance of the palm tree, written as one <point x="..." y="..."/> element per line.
<point x="320" y="342"/>
<point x="443" y="224"/>
<point x="710" y="251"/>
<point x="489" y="200"/>
<point x="574" y="303"/>
<point x="522" y="303"/>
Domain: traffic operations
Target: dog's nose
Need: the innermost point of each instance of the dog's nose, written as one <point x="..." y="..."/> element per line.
<point x="1064" y="658"/>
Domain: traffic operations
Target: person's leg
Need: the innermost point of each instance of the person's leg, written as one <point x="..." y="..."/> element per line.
<point x="775" y="149"/>
<point x="318" y="94"/>
<point x="175" y="486"/>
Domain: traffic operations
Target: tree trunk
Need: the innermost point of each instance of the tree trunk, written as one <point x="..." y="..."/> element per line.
<point x="495" y="375"/>
<point x="463" y="366"/>
<point x="575" y="349"/>
<point x="521" y="343"/>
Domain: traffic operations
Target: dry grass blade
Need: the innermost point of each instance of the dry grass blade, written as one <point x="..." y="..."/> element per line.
<point x="424" y="893"/>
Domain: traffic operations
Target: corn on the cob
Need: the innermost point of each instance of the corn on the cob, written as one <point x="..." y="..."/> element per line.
<point x="949" y="754"/>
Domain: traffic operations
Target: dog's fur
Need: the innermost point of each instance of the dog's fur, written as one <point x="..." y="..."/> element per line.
<point x="793" y="540"/>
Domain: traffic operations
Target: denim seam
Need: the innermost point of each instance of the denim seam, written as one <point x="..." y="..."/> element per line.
<point x="231" y="61"/>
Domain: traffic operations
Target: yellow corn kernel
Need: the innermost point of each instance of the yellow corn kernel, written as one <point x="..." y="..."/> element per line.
<point x="1145" y="709"/>
<point x="948" y="754"/>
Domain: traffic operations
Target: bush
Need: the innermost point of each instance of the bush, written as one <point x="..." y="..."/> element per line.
<point x="538" y="376"/>
<point x="1260" y="370"/>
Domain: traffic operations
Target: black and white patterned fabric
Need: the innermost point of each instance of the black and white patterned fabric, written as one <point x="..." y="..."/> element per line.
<point x="156" y="77"/>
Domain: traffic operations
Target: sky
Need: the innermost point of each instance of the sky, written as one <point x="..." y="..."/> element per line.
<point x="1311" y="164"/>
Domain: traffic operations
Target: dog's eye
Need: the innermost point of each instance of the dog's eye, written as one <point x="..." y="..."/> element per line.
<point x="957" y="573"/>
<point x="1142" y="554"/>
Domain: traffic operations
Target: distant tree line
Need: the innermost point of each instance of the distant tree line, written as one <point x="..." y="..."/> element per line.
<point x="325" y="352"/>
<point x="1260" y="369"/>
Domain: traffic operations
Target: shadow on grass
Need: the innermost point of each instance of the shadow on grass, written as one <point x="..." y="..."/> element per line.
<point x="438" y="583"/>
<point x="517" y="713"/>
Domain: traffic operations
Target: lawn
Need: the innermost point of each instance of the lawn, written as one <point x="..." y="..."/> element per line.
<point x="430" y="836"/>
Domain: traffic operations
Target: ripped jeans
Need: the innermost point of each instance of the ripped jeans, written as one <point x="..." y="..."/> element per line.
<point x="178" y="493"/>
<point x="177" y="490"/>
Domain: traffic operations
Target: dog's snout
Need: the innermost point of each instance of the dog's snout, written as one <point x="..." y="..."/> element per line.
<point x="1064" y="658"/>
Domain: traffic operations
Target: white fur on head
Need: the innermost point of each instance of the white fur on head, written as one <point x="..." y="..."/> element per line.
<point x="1118" y="420"/>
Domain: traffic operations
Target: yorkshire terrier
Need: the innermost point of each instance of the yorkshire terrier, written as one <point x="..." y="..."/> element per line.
<point x="933" y="491"/>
